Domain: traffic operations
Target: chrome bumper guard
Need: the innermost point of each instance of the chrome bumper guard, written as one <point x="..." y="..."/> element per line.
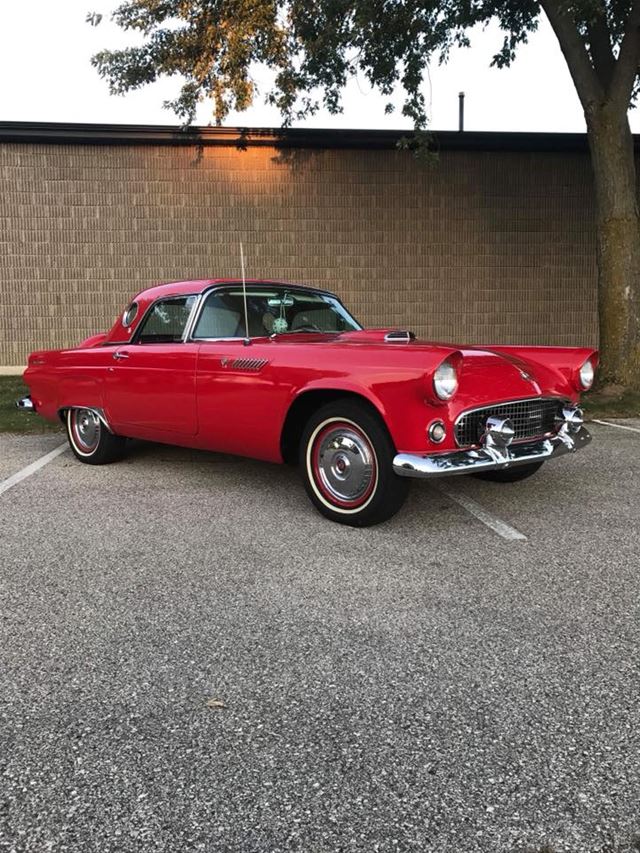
<point x="491" y="457"/>
<point x="26" y="404"/>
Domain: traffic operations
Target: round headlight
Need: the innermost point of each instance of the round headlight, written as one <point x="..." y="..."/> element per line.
<point x="445" y="381"/>
<point x="586" y="375"/>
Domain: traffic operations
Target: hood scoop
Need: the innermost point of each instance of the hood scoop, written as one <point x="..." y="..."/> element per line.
<point x="378" y="336"/>
<point x="399" y="336"/>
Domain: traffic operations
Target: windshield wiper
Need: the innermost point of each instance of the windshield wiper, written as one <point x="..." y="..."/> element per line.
<point x="302" y="332"/>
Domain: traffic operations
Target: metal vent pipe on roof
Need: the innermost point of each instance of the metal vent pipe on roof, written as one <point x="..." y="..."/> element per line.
<point x="461" y="111"/>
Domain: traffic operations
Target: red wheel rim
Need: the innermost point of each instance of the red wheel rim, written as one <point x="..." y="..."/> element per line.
<point x="85" y="429"/>
<point x="343" y="464"/>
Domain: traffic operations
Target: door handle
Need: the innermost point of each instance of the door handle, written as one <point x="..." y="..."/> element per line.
<point x="119" y="355"/>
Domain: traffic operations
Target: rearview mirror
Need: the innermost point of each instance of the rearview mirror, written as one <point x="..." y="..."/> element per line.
<point x="277" y="301"/>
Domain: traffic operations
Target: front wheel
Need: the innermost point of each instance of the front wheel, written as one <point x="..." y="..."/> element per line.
<point x="90" y="440"/>
<point x="510" y="475"/>
<point x="346" y="459"/>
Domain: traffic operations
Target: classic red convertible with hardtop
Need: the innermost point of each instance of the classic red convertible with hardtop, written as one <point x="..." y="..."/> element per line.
<point x="284" y="373"/>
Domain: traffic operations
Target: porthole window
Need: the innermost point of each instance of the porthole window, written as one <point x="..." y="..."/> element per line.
<point x="130" y="314"/>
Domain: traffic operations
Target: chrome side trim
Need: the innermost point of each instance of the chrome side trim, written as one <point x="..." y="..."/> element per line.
<point x="97" y="411"/>
<point x="26" y="404"/>
<point x="487" y="459"/>
<point x="217" y="340"/>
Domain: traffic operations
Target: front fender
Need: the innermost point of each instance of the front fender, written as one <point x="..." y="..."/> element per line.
<point x="346" y="386"/>
<point x="401" y="405"/>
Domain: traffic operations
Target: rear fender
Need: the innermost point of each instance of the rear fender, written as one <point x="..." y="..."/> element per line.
<point x="92" y="341"/>
<point x="99" y="411"/>
<point x="80" y="391"/>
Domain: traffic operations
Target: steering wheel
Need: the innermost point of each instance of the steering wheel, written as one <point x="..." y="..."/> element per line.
<point x="306" y="327"/>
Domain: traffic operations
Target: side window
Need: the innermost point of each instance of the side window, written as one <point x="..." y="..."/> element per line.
<point x="166" y="322"/>
<point x="221" y="317"/>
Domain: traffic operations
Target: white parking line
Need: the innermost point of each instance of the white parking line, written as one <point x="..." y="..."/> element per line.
<point x="616" y="426"/>
<point x="496" y="524"/>
<point x="5" y="485"/>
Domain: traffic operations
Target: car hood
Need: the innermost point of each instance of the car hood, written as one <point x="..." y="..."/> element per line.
<point x="508" y="378"/>
<point x="501" y="373"/>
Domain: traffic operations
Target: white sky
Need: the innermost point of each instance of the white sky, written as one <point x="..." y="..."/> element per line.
<point x="45" y="75"/>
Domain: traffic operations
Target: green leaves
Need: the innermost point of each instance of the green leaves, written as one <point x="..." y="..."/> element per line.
<point x="313" y="47"/>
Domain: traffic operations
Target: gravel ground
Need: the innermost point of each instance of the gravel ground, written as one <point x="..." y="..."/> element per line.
<point x="193" y="660"/>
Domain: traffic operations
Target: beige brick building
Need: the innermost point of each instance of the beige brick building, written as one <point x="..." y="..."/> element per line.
<point x="492" y="243"/>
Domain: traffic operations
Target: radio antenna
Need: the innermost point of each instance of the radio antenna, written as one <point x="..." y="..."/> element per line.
<point x="247" y="339"/>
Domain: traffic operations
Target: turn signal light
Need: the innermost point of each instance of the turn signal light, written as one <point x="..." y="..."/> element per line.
<point x="437" y="432"/>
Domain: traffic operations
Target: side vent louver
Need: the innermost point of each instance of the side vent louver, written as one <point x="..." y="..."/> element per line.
<point x="248" y="363"/>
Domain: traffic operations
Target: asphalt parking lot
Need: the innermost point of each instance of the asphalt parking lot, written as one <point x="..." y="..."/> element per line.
<point x="193" y="660"/>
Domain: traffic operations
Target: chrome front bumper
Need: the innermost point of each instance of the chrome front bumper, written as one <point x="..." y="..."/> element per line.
<point x="26" y="404"/>
<point x="490" y="458"/>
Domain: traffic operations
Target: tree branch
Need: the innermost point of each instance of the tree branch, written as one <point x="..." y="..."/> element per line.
<point x="626" y="69"/>
<point x="575" y="53"/>
<point x="600" y="48"/>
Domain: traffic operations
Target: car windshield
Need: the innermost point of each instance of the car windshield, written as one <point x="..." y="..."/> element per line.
<point x="271" y="311"/>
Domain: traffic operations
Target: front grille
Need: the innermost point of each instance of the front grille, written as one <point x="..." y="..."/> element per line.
<point x="530" y="419"/>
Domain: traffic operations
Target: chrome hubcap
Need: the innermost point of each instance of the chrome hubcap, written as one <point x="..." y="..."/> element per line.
<point x="346" y="464"/>
<point x="87" y="428"/>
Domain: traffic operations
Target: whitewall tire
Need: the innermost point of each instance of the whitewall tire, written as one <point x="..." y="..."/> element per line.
<point x="89" y="438"/>
<point x="346" y="457"/>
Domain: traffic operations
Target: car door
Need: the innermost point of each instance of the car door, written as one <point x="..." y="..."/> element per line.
<point x="151" y="385"/>
<point x="241" y="395"/>
<point x="239" y="402"/>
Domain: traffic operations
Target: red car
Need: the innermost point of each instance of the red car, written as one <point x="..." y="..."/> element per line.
<point x="284" y="373"/>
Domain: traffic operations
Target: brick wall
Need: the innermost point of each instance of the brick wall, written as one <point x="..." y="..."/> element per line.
<point x="482" y="247"/>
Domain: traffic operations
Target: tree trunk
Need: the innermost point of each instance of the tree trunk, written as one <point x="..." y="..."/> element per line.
<point x="618" y="243"/>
